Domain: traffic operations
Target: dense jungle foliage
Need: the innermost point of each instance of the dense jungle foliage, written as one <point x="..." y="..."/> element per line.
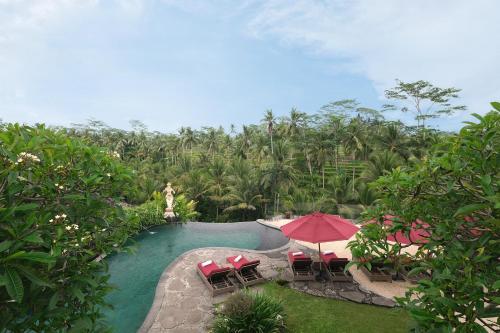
<point x="293" y="164"/>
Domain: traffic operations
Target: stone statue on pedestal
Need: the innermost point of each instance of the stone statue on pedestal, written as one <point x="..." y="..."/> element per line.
<point x="169" y="198"/>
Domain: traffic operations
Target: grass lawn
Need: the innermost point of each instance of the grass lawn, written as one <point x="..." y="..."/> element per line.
<point x="310" y="314"/>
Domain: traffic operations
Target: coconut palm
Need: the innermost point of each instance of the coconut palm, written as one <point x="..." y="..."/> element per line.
<point x="270" y="121"/>
<point x="217" y="183"/>
<point x="393" y="139"/>
<point x="381" y="163"/>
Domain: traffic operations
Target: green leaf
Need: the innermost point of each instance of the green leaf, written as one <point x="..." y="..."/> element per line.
<point x="14" y="284"/>
<point x="34" y="276"/>
<point x="78" y="294"/>
<point x="32" y="256"/>
<point x="81" y="325"/>
<point x="416" y="270"/>
<point x="25" y="207"/>
<point x="496" y="285"/>
<point x="5" y="245"/>
<point x="496" y="105"/>
<point x="465" y="210"/>
<point x="89" y="281"/>
<point x="33" y="238"/>
<point x="53" y="300"/>
<point x="3" y="280"/>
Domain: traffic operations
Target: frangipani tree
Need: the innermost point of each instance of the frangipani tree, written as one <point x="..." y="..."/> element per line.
<point x="456" y="191"/>
<point x="58" y="212"/>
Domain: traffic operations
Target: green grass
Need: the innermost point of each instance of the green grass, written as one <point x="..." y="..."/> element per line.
<point x="310" y="314"/>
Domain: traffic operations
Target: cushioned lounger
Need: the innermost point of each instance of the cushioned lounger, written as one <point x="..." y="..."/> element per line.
<point x="336" y="267"/>
<point x="216" y="278"/>
<point x="301" y="266"/>
<point x="246" y="271"/>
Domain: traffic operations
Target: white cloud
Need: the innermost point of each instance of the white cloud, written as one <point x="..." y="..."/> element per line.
<point x="450" y="43"/>
<point x="447" y="42"/>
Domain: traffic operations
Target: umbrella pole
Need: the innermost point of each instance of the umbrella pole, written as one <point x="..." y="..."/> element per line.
<point x="319" y="256"/>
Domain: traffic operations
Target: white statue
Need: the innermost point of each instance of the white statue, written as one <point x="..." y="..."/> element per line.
<point x="169" y="198"/>
<point x="169" y="195"/>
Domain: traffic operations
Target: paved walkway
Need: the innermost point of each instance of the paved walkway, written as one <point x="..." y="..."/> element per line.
<point x="386" y="289"/>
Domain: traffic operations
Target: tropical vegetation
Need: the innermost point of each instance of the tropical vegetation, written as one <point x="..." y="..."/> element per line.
<point x="68" y="196"/>
<point x="291" y="164"/>
<point x="59" y="211"/>
<point x="454" y="193"/>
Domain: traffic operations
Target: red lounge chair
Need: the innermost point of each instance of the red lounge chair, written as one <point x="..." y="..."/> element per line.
<point x="246" y="271"/>
<point x="216" y="278"/>
<point x="336" y="267"/>
<point x="301" y="266"/>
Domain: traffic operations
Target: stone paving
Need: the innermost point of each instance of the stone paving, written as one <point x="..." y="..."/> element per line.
<point x="183" y="304"/>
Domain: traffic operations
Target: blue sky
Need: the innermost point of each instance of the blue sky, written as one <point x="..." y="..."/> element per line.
<point x="203" y="63"/>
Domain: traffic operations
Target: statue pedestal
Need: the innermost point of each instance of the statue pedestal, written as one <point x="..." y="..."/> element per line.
<point x="169" y="214"/>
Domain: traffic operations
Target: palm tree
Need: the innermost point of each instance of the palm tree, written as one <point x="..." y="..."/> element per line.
<point x="270" y="121"/>
<point x="340" y="188"/>
<point x="381" y="163"/>
<point x="393" y="139"/>
<point x="244" y="194"/>
<point x="194" y="184"/>
<point x="245" y="142"/>
<point x="320" y="152"/>
<point x="188" y="138"/>
<point x="295" y="123"/>
<point x="217" y="183"/>
<point x="211" y="141"/>
<point x="354" y="141"/>
<point x="280" y="174"/>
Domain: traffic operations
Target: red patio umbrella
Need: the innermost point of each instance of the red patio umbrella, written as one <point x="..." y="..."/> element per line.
<point x="318" y="228"/>
<point x="418" y="234"/>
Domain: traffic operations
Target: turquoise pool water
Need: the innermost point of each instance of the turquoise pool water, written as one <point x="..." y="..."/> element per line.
<point x="136" y="275"/>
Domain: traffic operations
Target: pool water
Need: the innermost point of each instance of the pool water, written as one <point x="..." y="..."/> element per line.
<point x="136" y="275"/>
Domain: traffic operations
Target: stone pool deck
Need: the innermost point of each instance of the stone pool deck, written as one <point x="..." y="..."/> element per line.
<point x="183" y="304"/>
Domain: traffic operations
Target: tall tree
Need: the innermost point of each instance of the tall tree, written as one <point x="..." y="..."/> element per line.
<point x="270" y="121"/>
<point x="425" y="100"/>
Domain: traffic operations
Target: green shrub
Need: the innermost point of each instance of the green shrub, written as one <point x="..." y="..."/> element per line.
<point x="184" y="209"/>
<point x="58" y="211"/>
<point x="149" y="213"/>
<point x="246" y="312"/>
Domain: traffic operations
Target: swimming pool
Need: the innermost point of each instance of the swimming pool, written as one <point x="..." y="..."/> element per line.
<point x="136" y="275"/>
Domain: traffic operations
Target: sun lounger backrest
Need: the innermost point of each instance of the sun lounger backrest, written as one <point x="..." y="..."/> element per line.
<point x="338" y="262"/>
<point x="218" y="273"/>
<point x="250" y="264"/>
<point x="302" y="263"/>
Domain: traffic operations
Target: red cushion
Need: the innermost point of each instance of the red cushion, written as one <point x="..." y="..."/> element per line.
<point x="300" y="256"/>
<point x="211" y="269"/>
<point x="242" y="262"/>
<point x="207" y="270"/>
<point x="327" y="257"/>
